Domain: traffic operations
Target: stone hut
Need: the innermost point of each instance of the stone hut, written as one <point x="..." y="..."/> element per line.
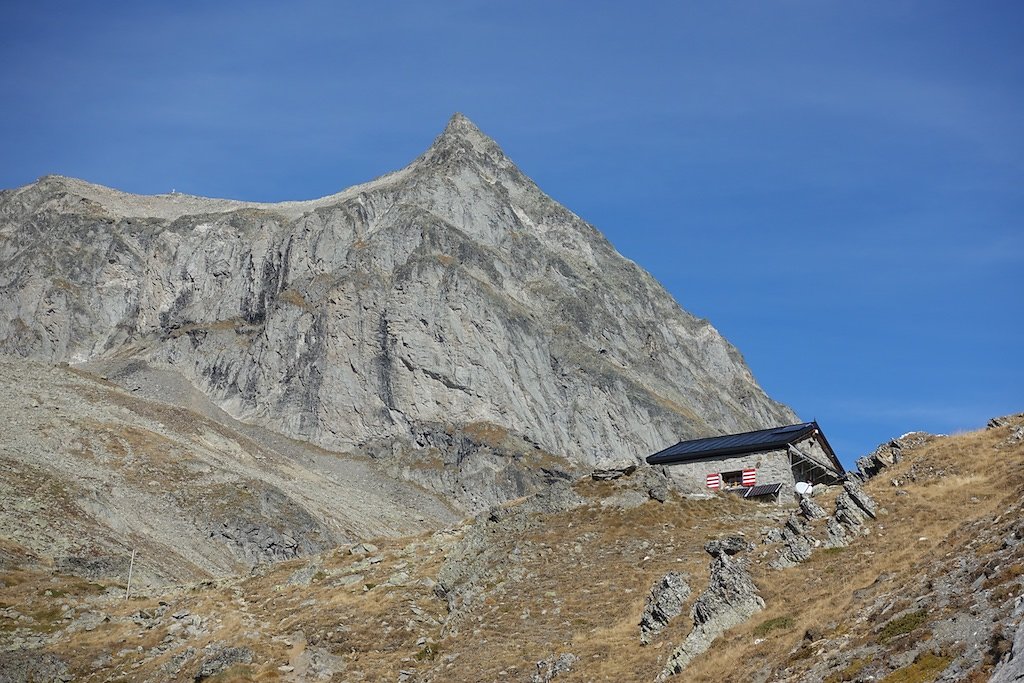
<point x="768" y="462"/>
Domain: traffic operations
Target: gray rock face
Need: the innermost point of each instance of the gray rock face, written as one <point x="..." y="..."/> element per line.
<point x="659" y="485"/>
<point x="664" y="603"/>
<point x="890" y="453"/>
<point x="848" y="513"/>
<point x="797" y="545"/>
<point x="452" y="292"/>
<point x="1016" y="435"/>
<point x="218" y="658"/>
<point x="95" y="567"/>
<point x="271" y="527"/>
<point x="33" y="665"/>
<point x="730" y="590"/>
<point x="610" y="473"/>
<point x="810" y="509"/>
<point x="476" y="466"/>
<point x="836" y="534"/>
<point x="730" y="599"/>
<point x="853" y="507"/>
<point x="480" y="555"/>
<point x="93" y="472"/>
<point x="884" y="456"/>
<point x="863" y="501"/>
<point x="730" y="545"/>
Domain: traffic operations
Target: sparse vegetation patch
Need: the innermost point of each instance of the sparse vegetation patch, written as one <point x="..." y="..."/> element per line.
<point x="924" y="669"/>
<point x="850" y="672"/>
<point x="902" y="625"/>
<point x="784" y="623"/>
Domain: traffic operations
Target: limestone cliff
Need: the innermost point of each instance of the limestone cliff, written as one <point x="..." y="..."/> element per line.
<point x="450" y="298"/>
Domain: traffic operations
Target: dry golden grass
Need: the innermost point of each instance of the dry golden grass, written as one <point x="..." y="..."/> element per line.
<point x="953" y="482"/>
<point x="577" y="583"/>
<point x="364" y="621"/>
<point x="486" y="433"/>
<point x="583" y="587"/>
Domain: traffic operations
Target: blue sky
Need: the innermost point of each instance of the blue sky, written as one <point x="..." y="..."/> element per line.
<point x="837" y="186"/>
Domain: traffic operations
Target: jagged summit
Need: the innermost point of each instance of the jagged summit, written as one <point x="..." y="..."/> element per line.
<point x="460" y="131"/>
<point x="459" y="126"/>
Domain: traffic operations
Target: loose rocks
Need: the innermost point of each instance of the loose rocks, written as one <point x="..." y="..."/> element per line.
<point x="549" y="669"/>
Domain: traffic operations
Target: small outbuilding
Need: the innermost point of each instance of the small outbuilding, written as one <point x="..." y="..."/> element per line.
<point x="753" y="462"/>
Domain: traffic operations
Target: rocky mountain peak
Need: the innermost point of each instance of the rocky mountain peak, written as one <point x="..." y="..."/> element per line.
<point x="463" y="149"/>
<point x="449" y="311"/>
<point x="460" y="127"/>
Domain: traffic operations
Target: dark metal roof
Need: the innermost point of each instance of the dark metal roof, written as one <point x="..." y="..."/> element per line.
<point x="735" y="444"/>
<point x="762" y="490"/>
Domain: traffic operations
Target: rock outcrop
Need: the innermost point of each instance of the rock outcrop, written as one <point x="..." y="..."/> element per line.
<point x="810" y="509"/>
<point x="1011" y="668"/>
<point x="18" y="667"/>
<point x="729" y="545"/>
<point x="797" y="543"/>
<point x="853" y="508"/>
<point x="934" y="592"/>
<point x="450" y="297"/>
<point x="609" y="473"/>
<point x="550" y="669"/>
<point x="862" y="500"/>
<point x="888" y="454"/>
<point x="730" y="599"/>
<point x="801" y="534"/>
<point x="664" y="603"/>
<point x="268" y="527"/>
<point x="218" y="658"/>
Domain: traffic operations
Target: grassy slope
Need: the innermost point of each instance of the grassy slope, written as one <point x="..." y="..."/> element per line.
<point x="965" y="498"/>
<point x="577" y="583"/>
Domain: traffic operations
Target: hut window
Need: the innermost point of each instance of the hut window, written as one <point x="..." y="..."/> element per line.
<point x="732" y="479"/>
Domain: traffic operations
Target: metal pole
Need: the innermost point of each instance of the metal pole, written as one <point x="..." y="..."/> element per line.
<point x="131" y="566"/>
